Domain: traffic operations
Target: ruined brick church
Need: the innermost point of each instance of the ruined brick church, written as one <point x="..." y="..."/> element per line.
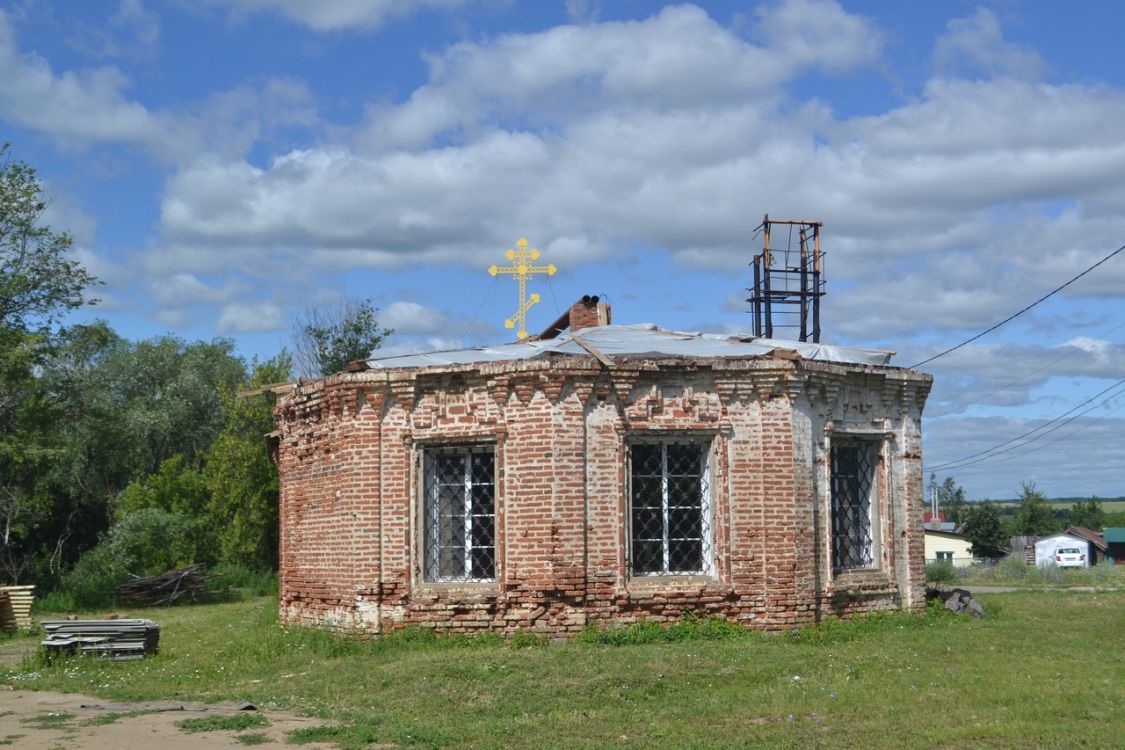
<point x="602" y="473"/>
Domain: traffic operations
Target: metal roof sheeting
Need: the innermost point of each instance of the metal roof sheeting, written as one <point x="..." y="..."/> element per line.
<point x="637" y="340"/>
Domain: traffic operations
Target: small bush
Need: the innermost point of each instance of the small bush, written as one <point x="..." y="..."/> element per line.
<point x="941" y="571"/>
<point x="90" y="584"/>
<point x="236" y="582"/>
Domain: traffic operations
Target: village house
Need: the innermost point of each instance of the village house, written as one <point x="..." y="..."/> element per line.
<point x="602" y="473"/>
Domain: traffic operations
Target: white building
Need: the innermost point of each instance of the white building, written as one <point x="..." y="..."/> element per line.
<point x="947" y="545"/>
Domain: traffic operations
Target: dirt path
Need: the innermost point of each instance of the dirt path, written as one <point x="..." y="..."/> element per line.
<point x="37" y="720"/>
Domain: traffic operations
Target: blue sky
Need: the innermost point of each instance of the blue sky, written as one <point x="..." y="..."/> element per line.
<point x="223" y="164"/>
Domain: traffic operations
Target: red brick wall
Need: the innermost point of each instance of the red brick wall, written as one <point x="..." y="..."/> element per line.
<point x="350" y="500"/>
<point x="584" y="314"/>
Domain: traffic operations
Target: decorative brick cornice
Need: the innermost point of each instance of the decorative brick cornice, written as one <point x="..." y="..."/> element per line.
<point x="499" y="390"/>
<point x="403" y="390"/>
<point x="624" y="381"/>
<point x="552" y="386"/>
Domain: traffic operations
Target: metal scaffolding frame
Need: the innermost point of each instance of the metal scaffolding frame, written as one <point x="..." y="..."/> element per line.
<point x="788" y="283"/>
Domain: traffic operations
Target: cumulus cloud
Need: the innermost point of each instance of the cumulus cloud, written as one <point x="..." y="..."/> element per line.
<point x="1079" y="459"/>
<point x="977" y="45"/>
<point x="332" y="15"/>
<point x="985" y="375"/>
<point x="673" y="133"/>
<point x="185" y="288"/>
<point x="250" y="317"/>
<point x="411" y="317"/>
<point x="678" y="60"/>
<point x="80" y="106"/>
<point x="397" y="346"/>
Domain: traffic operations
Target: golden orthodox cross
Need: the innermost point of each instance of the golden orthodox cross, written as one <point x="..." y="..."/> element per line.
<point x="521" y="270"/>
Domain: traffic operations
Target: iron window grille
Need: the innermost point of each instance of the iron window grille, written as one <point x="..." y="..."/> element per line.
<point x="853" y="513"/>
<point x="459" y="524"/>
<point x="670" y="513"/>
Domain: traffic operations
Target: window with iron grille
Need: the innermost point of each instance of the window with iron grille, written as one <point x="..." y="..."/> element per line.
<point x="670" y="514"/>
<point x="459" y="514"/>
<point x="853" y="511"/>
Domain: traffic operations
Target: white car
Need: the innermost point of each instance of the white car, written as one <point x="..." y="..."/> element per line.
<point x="1070" y="557"/>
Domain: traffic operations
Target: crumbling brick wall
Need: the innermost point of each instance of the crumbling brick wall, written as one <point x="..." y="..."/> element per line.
<point x="350" y="491"/>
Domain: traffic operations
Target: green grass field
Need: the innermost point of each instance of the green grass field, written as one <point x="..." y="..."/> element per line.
<point x="1115" y="505"/>
<point x="1046" y="670"/>
<point x="1108" y="506"/>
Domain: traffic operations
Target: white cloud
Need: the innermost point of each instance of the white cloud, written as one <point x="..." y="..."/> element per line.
<point x="675" y="133"/>
<point x="75" y="106"/>
<point x="144" y="24"/>
<point x="820" y="34"/>
<point x="679" y="59"/>
<point x="411" y="317"/>
<point x="583" y="11"/>
<point x="1079" y="459"/>
<point x="79" y="108"/>
<point x="396" y="346"/>
<point x="414" y="319"/>
<point x="1013" y="375"/>
<point x="250" y="317"/>
<point x="977" y="45"/>
<point x="331" y="15"/>
<point x="185" y="289"/>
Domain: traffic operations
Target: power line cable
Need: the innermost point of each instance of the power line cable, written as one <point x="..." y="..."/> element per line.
<point x="1069" y="353"/>
<point x="558" y="310"/>
<point x="487" y="294"/>
<point x="998" y="458"/>
<point x="995" y="450"/>
<point x="1078" y="429"/>
<point x="1021" y="312"/>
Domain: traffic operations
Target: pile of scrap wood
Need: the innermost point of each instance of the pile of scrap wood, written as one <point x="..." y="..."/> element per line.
<point x="119" y="640"/>
<point x="166" y="587"/>
<point x="15" y="607"/>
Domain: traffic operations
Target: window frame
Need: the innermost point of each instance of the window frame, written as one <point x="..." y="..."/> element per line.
<point x="429" y="523"/>
<point x="875" y="445"/>
<point x="705" y="444"/>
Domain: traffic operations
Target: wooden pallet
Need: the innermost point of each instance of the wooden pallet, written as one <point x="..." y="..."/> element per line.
<point x="15" y="607"/>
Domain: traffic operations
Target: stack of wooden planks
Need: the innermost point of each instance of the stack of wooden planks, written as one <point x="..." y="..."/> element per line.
<point x="119" y="640"/>
<point x="15" y="607"/>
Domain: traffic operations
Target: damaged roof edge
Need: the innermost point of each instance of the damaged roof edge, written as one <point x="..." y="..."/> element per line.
<point x="637" y="340"/>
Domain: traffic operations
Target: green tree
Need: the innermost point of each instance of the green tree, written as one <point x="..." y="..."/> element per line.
<point x="241" y="474"/>
<point x="175" y="488"/>
<point x="38" y="281"/>
<point x="328" y="338"/>
<point x="983" y="527"/>
<point x="1087" y="513"/>
<point x="168" y="392"/>
<point x="1034" y="516"/>
<point x="951" y="499"/>
<point x="152" y="540"/>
